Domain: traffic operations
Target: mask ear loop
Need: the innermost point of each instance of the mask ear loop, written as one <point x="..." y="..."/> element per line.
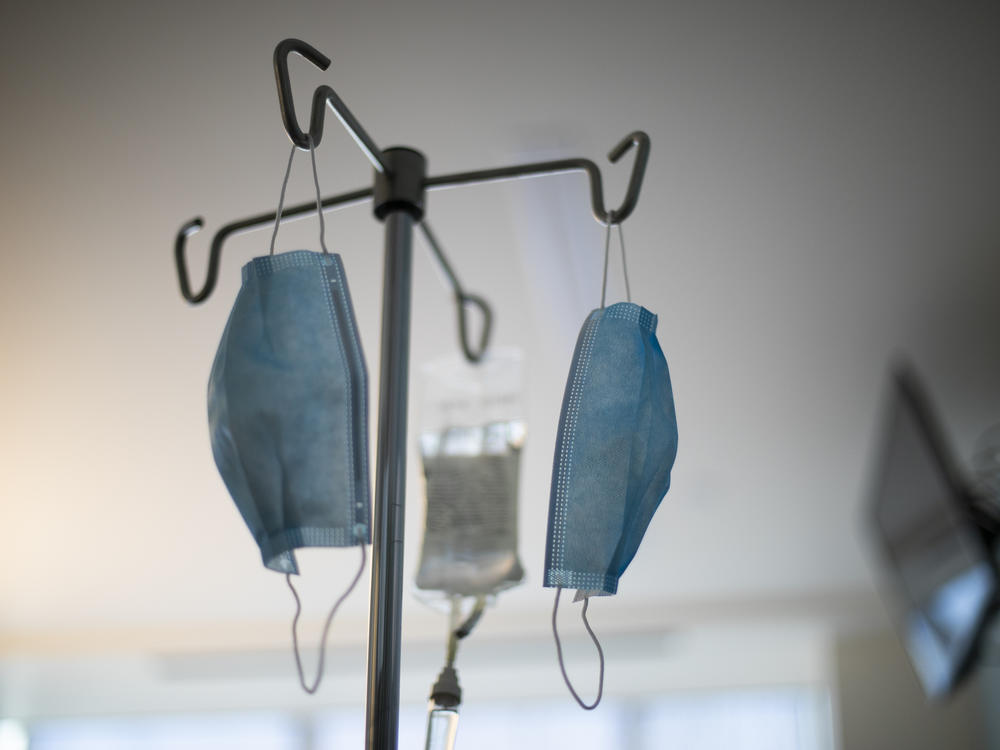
<point x="326" y="627"/>
<point x="607" y="249"/>
<point x="562" y="664"/>
<point x="319" y="202"/>
<point x="288" y="578"/>
<point x="281" y="200"/>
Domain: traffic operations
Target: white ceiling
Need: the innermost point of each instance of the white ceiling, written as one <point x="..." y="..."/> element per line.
<point x="822" y="192"/>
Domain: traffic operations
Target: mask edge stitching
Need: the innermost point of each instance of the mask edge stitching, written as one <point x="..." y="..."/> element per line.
<point x="575" y="387"/>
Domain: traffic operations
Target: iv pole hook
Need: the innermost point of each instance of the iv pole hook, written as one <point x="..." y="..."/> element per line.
<point x="322" y="96"/>
<point x="285" y="101"/>
<point x="641" y="141"/>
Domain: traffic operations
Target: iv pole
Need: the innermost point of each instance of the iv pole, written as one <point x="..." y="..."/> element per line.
<point x="398" y="196"/>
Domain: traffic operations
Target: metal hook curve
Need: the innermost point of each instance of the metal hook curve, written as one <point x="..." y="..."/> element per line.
<point x="238" y="227"/>
<point x="473" y="353"/>
<point x="322" y="96"/>
<point x="285" y="102"/>
<point x="180" y="258"/>
<point x="462" y="299"/>
<point x="641" y="141"/>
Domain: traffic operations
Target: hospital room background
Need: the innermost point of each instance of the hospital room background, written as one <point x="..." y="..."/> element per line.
<point x="821" y="201"/>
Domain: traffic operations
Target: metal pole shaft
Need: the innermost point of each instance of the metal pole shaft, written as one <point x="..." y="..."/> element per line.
<point x="385" y="626"/>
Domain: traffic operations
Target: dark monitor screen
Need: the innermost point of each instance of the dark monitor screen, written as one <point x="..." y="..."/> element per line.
<point x="939" y="567"/>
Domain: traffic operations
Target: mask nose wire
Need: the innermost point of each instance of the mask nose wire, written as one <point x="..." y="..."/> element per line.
<point x="319" y="202"/>
<point x="562" y="664"/>
<point x="607" y="249"/>
<point x="326" y="627"/>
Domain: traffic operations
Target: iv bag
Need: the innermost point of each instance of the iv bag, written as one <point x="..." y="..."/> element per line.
<point x="471" y="435"/>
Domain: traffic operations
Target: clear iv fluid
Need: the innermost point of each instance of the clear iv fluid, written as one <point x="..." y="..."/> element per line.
<point x="471" y="483"/>
<point x="442" y="727"/>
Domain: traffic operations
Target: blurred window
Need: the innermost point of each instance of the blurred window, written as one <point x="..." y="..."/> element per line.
<point x="203" y="732"/>
<point x="787" y="718"/>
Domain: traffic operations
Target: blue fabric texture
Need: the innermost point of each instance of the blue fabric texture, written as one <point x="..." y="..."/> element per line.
<point x="616" y="445"/>
<point x="288" y="408"/>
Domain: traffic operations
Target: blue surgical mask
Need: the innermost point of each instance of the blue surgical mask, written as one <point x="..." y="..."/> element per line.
<point x="615" y="447"/>
<point x="288" y="409"/>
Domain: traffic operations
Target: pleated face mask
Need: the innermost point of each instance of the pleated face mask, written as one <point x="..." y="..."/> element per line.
<point x="615" y="447"/>
<point x="288" y="408"/>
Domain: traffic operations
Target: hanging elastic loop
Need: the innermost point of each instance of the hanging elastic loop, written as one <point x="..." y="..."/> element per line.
<point x="621" y="241"/>
<point x="281" y="200"/>
<point x="562" y="664"/>
<point x="326" y="627"/>
<point x="607" y="250"/>
<point x="319" y="201"/>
